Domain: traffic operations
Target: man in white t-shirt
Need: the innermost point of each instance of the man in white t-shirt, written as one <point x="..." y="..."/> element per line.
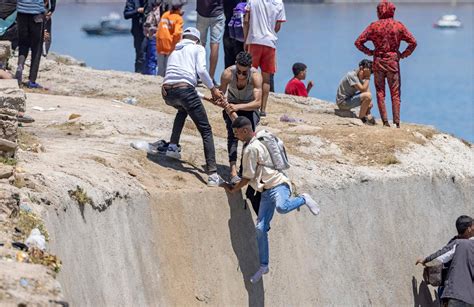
<point x="261" y="25"/>
<point x="257" y="171"/>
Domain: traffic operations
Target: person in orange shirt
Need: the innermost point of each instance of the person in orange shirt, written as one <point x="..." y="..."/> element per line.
<point x="169" y="33"/>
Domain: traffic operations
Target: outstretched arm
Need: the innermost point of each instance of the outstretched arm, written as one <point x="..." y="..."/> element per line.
<point x="362" y="39"/>
<point x="411" y="41"/>
<point x="443" y="255"/>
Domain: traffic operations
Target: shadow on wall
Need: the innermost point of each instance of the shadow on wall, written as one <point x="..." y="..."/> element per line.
<point x="422" y="295"/>
<point x="244" y="244"/>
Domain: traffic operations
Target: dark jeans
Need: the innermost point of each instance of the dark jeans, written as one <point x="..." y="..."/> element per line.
<point x="30" y="36"/>
<point x="187" y="102"/>
<point x="139" y="42"/>
<point x="232" y="141"/>
<point x="232" y="47"/>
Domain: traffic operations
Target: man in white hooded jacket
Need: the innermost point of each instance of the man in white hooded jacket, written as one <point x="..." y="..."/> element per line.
<point x="185" y="63"/>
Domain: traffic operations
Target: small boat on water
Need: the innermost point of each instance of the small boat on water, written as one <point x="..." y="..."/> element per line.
<point x="448" y="22"/>
<point x="109" y="25"/>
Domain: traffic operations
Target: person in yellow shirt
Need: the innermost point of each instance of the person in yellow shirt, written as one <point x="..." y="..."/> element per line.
<point x="169" y="33"/>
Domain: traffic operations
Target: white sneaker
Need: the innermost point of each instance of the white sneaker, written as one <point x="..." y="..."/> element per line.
<point x="173" y="152"/>
<point x="258" y="275"/>
<point x="214" y="180"/>
<point x="312" y="205"/>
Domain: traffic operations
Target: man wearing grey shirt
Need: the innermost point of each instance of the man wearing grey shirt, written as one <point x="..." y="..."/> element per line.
<point x="354" y="91"/>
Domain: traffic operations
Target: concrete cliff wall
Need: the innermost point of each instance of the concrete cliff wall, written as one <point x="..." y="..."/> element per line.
<point x="360" y="251"/>
<point x="156" y="235"/>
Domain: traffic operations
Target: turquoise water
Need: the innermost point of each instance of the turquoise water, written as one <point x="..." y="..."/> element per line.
<point x="437" y="80"/>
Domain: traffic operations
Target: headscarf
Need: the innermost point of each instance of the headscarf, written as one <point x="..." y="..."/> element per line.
<point x="385" y="9"/>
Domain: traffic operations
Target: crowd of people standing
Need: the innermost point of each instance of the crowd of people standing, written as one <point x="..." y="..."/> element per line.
<point x="253" y="26"/>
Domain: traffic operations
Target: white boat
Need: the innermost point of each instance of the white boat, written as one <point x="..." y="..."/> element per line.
<point x="448" y="22"/>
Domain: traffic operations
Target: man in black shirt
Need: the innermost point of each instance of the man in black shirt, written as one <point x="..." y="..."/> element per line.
<point x="232" y="47"/>
<point x="135" y="10"/>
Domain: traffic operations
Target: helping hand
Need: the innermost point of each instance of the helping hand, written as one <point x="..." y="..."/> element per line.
<point x="232" y="108"/>
<point x="228" y="187"/>
<point x="216" y="94"/>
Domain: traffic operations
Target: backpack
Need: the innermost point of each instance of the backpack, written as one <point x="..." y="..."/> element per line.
<point x="236" y="23"/>
<point x="275" y="148"/>
<point x="432" y="273"/>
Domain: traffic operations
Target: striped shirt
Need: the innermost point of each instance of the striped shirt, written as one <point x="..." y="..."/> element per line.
<point x="30" y="7"/>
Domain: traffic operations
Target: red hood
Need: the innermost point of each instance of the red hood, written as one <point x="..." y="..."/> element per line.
<point x="385" y="9"/>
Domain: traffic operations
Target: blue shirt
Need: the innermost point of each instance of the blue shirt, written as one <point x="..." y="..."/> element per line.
<point x="30" y="6"/>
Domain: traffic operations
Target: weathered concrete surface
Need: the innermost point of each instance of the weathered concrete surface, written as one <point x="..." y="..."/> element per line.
<point x="155" y="235"/>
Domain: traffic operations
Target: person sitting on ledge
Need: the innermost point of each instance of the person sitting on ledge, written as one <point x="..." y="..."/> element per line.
<point x="354" y="92"/>
<point x="296" y="86"/>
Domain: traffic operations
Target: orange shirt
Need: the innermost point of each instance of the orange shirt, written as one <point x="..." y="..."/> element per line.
<point x="169" y="32"/>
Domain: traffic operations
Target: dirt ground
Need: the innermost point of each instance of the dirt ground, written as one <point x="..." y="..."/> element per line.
<point x="317" y="123"/>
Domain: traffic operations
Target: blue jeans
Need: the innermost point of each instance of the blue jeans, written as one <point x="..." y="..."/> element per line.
<point x="150" y="67"/>
<point x="278" y="197"/>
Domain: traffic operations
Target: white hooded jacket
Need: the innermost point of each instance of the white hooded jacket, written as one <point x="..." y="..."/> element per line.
<point x="185" y="63"/>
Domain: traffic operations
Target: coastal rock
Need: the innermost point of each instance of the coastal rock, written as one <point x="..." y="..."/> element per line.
<point x="5" y="171"/>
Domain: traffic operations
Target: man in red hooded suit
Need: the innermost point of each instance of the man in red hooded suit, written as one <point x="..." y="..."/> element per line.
<point x="386" y="35"/>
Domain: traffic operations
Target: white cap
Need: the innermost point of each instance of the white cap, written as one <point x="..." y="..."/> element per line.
<point x="192" y="31"/>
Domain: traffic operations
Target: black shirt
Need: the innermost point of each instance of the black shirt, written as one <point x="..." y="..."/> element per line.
<point x="210" y="8"/>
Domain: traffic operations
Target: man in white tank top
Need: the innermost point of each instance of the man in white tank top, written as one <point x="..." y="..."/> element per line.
<point x="243" y="87"/>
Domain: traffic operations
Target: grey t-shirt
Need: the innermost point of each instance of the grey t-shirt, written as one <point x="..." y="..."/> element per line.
<point x="346" y="88"/>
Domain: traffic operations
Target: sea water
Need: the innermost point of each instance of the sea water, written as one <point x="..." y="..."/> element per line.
<point x="437" y="80"/>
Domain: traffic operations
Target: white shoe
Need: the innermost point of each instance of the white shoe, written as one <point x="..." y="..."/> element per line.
<point x="312" y="205"/>
<point x="214" y="180"/>
<point x="258" y="275"/>
<point x="173" y="152"/>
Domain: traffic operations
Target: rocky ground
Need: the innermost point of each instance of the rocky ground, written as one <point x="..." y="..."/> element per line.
<point x="83" y="132"/>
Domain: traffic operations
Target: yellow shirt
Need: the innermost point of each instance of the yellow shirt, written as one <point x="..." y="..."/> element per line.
<point x="255" y="157"/>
